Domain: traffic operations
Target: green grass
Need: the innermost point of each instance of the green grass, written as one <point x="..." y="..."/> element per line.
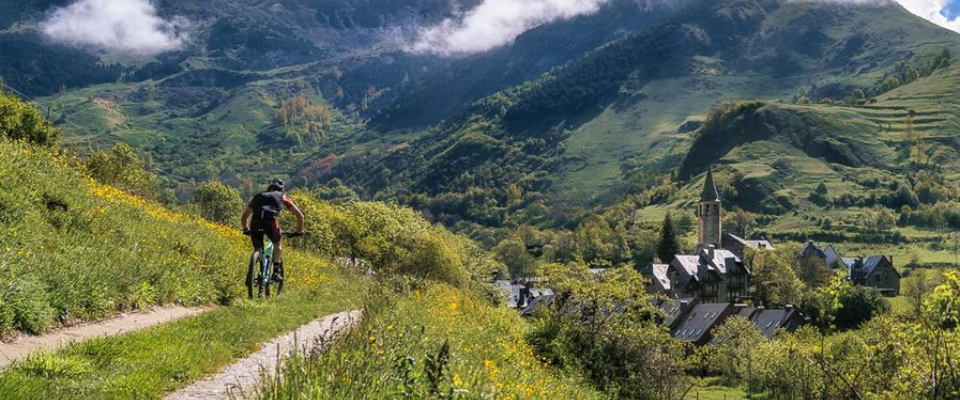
<point x="711" y="389"/>
<point x="901" y="305"/>
<point x="390" y="355"/>
<point x="150" y="363"/>
<point x="74" y="249"/>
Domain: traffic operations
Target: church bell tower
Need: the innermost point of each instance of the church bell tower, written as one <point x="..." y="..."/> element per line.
<point x="709" y="225"/>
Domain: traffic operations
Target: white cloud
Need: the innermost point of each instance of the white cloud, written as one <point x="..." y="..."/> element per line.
<point x="121" y="26"/>
<point x="495" y="23"/>
<point x="931" y="10"/>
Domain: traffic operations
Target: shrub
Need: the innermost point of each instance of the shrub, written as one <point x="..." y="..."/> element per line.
<point x="218" y="202"/>
<point x="391" y="239"/>
<point x="22" y="121"/>
<point x="606" y="329"/>
<point x="121" y="167"/>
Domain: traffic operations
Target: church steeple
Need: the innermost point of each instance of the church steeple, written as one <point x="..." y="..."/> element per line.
<point x="709" y="225"/>
<point x="709" y="192"/>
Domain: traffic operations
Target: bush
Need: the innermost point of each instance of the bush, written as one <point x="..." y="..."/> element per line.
<point x="218" y="202"/>
<point x="606" y="329"/>
<point x="859" y="305"/>
<point x="121" y="167"/>
<point x="391" y="239"/>
<point x="22" y="121"/>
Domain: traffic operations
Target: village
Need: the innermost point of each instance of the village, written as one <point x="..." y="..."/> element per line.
<point x="698" y="292"/>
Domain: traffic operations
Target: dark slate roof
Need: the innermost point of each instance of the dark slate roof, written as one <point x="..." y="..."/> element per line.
<point x="747" y="312"/>
<point x="811" y="250"/>
<point x="511" y="291"/>
<point x="849" y="262"/>
<point x="721" y="261"/>
<point x="871" y="263"/>
<point x="673" y="309"/>
<point x="539" y="298"/>
<point x="658" y="272"/>
<point x="696" y="325"/>
<point x="709" y="192"/>
<point x="688" y="271"/>
<point x="770" y="320"/>
<point x="752" y="243"/>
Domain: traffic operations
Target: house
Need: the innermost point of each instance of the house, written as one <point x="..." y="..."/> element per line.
<point x="833" y="258"/>
<point x="812" y="255"/>
<point x="876" y="272"/>
<point x="511" y="292"/>
<point x="657" y="280"/>
<point x="711" y="276"/>
<point x="537" y="298"/>
<point x="768" y="321"/>
<point x="739" y="245"/>
<point x="523" y="296"/>
<point x="674" y="310"/>
<point x="697" y="325"/>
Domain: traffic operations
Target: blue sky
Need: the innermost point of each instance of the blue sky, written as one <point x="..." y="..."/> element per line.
<point x="952" y="9"/>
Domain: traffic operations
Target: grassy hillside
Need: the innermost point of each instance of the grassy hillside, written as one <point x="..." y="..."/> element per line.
<point x="597" y="127"/>
<point x="75" y="249"/>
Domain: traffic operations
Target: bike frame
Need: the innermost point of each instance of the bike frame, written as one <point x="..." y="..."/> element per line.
<point x="266" y="260"/>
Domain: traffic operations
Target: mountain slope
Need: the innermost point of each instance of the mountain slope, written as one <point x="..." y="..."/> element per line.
<point x="506" y="141"/>
<point x="587" y="128"/>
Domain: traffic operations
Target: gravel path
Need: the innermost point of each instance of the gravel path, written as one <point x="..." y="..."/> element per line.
<point x="243" y="377"/>
<point x="24" y="345"/>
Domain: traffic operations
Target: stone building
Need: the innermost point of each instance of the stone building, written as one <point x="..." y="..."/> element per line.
<point x="712" y="274"/>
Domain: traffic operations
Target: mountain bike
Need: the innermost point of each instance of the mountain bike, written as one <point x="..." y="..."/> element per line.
<point x="261" y="271"/>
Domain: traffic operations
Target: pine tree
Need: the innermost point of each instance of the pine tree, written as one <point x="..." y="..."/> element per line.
<point x="668" y="246"/>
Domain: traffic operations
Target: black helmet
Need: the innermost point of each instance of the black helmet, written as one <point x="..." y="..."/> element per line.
<point x="276" y="186"/>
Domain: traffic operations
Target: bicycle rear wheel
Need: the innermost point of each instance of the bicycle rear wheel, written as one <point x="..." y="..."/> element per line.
<point x="279" y="281"/>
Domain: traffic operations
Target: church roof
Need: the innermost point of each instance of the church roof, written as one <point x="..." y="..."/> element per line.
<point x="709" y="188"/>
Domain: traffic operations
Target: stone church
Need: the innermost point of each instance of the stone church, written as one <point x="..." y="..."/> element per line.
<point x="714" y="274"/>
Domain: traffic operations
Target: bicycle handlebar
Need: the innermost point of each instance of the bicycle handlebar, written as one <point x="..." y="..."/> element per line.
<point x="287" y="234"/>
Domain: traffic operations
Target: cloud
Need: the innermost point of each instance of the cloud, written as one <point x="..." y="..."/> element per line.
<point x="118" y="26"/>
<point x="932" y="10"/>
<point x="494" y="23"/>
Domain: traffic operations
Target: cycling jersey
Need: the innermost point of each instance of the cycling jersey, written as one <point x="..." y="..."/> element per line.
<point x="267" y="205"/>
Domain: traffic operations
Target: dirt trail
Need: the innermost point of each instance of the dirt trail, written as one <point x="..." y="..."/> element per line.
<point x="241" y="379"/>
<point x="24" y="345"/>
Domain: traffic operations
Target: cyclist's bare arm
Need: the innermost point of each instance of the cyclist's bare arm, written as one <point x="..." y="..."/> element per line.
<point x="299" y="214"/>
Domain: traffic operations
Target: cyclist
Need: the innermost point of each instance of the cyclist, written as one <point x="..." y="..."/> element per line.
<point x="262" y="217"/>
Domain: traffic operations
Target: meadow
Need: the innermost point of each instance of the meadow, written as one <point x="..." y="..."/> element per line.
<point x="75" y="250"/>
<point x="429" y="341"/>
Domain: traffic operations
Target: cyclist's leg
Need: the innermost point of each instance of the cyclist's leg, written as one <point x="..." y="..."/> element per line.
<point x="276" y="236"/>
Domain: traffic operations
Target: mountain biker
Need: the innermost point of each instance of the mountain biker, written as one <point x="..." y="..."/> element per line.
<point x="262" y="217"/>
